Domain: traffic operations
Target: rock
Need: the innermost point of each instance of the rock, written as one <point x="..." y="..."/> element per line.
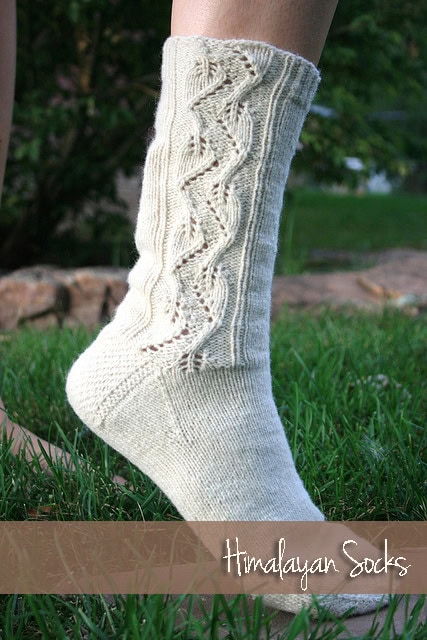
<point x="45" y="296"/>
<point x="399" y="278"/>
<point x="94" y="294"/>
<point x="30" y="296"/>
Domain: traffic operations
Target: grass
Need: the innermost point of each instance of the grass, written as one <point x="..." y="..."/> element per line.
<point x="359" y="223"/>
<point x="158" y="617"/>
<point x="360" y="447"/>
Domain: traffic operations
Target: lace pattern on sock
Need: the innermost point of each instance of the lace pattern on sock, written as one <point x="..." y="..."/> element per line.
<point x="209" y="160"/>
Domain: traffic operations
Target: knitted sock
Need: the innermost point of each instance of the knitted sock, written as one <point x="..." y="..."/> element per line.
<point x="179" y="382"/>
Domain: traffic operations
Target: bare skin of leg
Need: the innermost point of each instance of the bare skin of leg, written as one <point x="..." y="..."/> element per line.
<point x="25" y="440"/>
<point x="33" y="446"/>
<point x="298" y="26"/>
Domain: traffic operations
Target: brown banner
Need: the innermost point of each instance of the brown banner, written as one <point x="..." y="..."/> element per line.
<point x="213" y="557"/>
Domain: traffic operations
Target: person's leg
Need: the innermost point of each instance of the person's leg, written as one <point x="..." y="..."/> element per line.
<point x="179" y="382"/>
<point x="298" y="26"/>
<point x="34" y="447"/>
<point x="7" y="77"/>
<point x="195" y="322"/>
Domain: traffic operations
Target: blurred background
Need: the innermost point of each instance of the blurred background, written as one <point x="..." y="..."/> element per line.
<point x="88" y="76"/>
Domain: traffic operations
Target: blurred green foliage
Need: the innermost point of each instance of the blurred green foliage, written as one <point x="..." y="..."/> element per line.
<point x="375" y="80"/>
<point x="87" y="79"/>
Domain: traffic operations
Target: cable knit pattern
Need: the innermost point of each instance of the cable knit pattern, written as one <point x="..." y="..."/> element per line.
<point x="179" y="382"/>
<point x="212" y="149"/>
<point x="224" y="167"/>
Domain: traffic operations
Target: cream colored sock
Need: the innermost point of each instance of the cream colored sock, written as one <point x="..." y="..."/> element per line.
<point x="179" y="382"/>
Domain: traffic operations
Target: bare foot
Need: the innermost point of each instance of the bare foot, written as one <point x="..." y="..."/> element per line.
<point x="33" y="446"/>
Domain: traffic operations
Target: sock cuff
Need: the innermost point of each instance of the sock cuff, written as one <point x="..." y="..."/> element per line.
<point x="302" y="76"/>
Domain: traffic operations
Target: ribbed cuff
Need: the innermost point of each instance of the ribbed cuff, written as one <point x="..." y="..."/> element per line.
<point x="303" y="76"/>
